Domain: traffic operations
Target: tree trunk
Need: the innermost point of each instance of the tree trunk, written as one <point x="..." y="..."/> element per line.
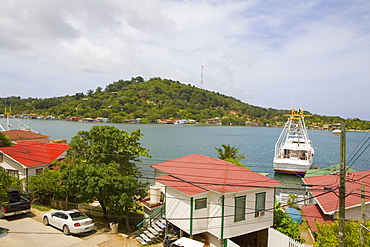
<point x="104" y="209"/>
<point x="127" y="223"/>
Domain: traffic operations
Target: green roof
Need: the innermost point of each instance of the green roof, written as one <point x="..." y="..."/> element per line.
<point x="325" y="171"/>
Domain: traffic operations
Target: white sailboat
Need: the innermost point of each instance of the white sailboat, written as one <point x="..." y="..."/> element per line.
<point x="293" y="150"/>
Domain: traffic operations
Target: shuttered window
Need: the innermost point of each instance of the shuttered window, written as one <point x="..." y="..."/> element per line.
<point x="260" y="203"/>
<point x="240" y="205"/>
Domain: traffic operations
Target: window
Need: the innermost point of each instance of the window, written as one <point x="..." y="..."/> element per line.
<point x="239" y="212"/>
<point x="1" y="158"/>
<point x="60" y="215"/>
<point x="14" y="173"/>
<point x="200" y="203"/>
<point x="63" y="216"/>
<point x="78" y="216"/>
<point x="39" y="171"/>
<point x="260" y="204"/>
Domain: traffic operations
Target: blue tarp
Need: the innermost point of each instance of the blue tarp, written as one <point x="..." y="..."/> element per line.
<point x="294" y="214"/>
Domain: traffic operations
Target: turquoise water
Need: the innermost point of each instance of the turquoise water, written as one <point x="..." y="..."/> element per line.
<point x="167" y="142"/>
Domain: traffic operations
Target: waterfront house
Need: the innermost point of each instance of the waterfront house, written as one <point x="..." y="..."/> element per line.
<point x="225" y="204"/>
<point x="28" y="158"/>
<point x="325" y="190"/>
<point x="215" y="120"/>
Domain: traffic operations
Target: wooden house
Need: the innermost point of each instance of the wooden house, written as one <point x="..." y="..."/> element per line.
<point x="28" y="158"/>
<point x="325" y="190"/>
<point x="225" y="204"/>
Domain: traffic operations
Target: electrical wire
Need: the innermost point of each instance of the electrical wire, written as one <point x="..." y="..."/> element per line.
<point x="357" y="149"/>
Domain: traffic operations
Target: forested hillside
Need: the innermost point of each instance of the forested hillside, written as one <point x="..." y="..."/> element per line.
<point x="155" y="99"/>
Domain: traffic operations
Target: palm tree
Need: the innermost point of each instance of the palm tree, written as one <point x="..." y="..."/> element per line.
<point x="229" y="152"/>
<point x="231" y="155"/>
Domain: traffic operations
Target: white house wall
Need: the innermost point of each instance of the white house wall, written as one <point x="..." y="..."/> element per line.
<point x="251" y="223"/>
<point x="10" y="164"/>
<point x="355" y="212"/>
<point x="178" y="209"/>
<point x="200" y="216"/>
<point x="215" y="210"/>
<point x="32" y="170"/>
<point x="209" y="219"/>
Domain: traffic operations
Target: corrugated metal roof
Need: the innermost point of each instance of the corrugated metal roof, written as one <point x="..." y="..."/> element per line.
<point x="180" y="185"/>
<point x="19" y="135"/>
<point x="330" y="201"/>
<point x="30" y="153"/>
<point x="313" y="214"/>
<point x="214" y="174"/>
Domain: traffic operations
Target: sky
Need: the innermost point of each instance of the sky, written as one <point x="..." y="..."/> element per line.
<point x="301" y="54"/>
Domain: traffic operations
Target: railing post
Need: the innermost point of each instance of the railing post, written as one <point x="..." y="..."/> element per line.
<point x="155" y="215"/>
<point x="139" y="228"/>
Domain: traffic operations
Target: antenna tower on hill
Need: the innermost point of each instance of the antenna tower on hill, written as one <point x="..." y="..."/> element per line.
<point x="201" y="78"/>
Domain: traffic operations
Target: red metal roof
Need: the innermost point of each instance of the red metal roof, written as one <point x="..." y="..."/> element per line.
<point x="181" y="185"/>
<point x="330" y="201"/>
<point x="210" y="174"/>
<point x="313" y="214"/>
<point x="30" y="153"/>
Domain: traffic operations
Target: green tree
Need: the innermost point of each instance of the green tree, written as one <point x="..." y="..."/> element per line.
<point x="291" y="201"/>
<point x="230" y="154"/>
<point x="327" y="234"/>
<point x="47" y="186"/>
<point x="5" y="182"/>
<point x="285" y="224"/>
<point x="4" y="140"/>
<point x="101" y="165"/>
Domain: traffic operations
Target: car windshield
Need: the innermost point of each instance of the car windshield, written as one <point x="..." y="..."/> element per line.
<point x="78" y="216"/>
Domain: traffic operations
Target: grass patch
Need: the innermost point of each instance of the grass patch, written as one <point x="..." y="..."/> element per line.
<point x="41" y="208"/>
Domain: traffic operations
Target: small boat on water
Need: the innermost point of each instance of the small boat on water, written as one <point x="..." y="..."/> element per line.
<point x="293" y="150"/>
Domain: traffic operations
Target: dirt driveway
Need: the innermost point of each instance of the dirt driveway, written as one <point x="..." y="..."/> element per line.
<point x="97" y="239"/>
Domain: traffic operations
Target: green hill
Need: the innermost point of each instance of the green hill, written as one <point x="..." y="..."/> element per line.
<point x="155" y="99"/>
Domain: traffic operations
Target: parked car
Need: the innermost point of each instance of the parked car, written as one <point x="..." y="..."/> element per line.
<point x="71" y="222"/>
<point x="15" y="204"/>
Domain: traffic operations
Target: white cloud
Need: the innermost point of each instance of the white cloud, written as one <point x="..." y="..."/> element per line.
<point x="252" y="50"/>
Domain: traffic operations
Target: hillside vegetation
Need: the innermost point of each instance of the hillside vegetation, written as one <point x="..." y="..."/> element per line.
<point x="159" y="98"/>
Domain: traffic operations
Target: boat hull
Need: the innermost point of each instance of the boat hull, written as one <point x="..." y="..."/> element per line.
<point x="292" y="166"/>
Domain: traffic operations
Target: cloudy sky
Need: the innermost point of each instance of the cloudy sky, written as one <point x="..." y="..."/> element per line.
<point x="305" y="54"/>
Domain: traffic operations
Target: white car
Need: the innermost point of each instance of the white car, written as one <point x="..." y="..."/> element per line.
<point x="72" y="221"/>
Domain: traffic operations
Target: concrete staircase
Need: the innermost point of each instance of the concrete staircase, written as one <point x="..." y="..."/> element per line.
<point x="153" y="233"/>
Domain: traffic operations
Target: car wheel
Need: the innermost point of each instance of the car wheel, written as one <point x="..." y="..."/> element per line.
<point x="66" y="230"/>
<point x="46" y="221"/>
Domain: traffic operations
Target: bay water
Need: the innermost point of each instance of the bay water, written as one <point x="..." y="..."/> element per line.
<point x="170" y="141"/>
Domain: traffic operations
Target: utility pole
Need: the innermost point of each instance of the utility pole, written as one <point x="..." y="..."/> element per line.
<point x="342" y="186"/>
<point x="362" y="236"/>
